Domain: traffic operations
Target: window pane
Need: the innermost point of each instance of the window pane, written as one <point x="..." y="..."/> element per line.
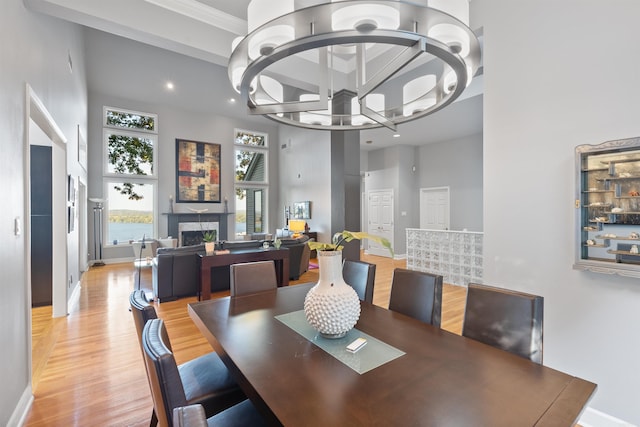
<point x="131" y="120"/>
<point x="250" y="205"/>
<point x="241" y="213"/>
<point x="250" y="166"/>
<point x="129" y="155"/>
<point x="129" y="217"/>
<point x="250" y="138"/>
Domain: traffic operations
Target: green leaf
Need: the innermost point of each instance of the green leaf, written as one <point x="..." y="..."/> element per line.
<point x="345" y="236"/>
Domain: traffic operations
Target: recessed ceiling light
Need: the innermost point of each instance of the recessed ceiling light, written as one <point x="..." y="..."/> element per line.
<point x="169" y="85"/>
<point x="396" y="135"/>
<point x="232" y="100"/>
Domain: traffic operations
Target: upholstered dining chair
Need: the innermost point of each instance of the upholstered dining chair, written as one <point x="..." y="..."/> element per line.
<point x="252" y="277"/>
<point x="240" y="415"/>
<point x="417" y="294"/>
<point x="167" y="388"/>
<point x="505" y="319"/>
<point x="360" y="276"/>
<point x="204" y="380"/>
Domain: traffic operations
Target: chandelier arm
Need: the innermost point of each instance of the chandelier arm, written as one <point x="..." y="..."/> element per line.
<point x="379" y="118"/>
<point x="391" y="68"/>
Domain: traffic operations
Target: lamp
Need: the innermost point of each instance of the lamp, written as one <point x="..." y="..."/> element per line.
<point x="97" y="231"/>
<point x="318" y="58"/>
<point x="297" y="226"/>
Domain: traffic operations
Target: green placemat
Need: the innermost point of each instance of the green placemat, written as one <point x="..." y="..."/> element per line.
<point x="375" y="353"/>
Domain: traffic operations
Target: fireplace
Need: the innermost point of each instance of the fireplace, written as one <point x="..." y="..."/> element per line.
<point x="190" y="233"/>
<point x="175" y="219"/>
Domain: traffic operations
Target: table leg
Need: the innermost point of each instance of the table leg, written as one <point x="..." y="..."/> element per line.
<point x="205" y="283"/>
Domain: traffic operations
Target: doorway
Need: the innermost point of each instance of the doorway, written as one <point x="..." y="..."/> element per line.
<point x="42" y="130"/>
<point x="434" y="208"/>
<point x="39" y="117"/>
<point x="380" y="213"/>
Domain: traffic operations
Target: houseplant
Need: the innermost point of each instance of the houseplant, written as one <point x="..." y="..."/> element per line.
<point x="332" y="307"/>
<point x="209" y="239"/>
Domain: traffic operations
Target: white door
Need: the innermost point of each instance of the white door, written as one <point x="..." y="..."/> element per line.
<point x="380" y="214"/>
<point x="434" y="208"/>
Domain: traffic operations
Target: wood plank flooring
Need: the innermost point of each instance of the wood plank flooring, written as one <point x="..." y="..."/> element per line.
<point x="88" y="370"/>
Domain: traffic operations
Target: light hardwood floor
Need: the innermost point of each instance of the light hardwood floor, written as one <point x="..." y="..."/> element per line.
<point x="87" y="367"/>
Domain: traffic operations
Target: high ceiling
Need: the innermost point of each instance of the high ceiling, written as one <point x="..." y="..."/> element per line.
<point x="204" y="29"/>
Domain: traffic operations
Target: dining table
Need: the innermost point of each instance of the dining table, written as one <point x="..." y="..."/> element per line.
<point x="408" y="374"/>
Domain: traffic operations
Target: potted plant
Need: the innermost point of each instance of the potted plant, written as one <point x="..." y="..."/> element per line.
<point x="208" y="237"/>
<point x="340" y="238"/>
<point x="332" y="307"/>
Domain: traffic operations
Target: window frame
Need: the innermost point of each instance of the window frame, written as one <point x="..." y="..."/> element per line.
<point x="253" y="185"/>
<point x="105" y="152"/>
<point x="109" y="178"/>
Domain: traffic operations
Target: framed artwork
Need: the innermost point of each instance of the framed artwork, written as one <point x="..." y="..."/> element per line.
<point x="71" y="218"/>
<point x="71" y="189"/>
<point x="302" y="210"/>
<point x="197" y="172"/>
<point x="82" y="149"/>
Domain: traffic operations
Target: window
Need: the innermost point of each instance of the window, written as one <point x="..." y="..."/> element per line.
<point x="251" y="182"/>
<point x="130" y="143"/>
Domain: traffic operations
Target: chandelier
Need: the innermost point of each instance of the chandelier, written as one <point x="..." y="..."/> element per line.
<point x="354" y="64"/>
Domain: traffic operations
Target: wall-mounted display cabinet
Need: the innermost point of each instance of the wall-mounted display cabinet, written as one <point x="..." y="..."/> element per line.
<point x="608" y="207"/>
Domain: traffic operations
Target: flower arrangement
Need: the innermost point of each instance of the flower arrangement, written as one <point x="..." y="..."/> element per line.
<point x="338" y="240"/>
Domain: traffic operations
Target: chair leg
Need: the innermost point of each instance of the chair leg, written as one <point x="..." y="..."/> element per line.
<point x="154" y="419"/>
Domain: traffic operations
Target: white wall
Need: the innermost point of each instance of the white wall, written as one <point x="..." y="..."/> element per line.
<point x="455" y="164"/>
<point x="305" y="174"/>
<point x="34" y="50"/>
<point x="559" y="74"/>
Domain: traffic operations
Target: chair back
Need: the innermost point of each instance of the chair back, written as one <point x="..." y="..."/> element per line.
<point x="360" y="276"/>
<point x="505" y="319"/>
<point x="252" y="277"/>
<point x="141" y="310"/>
<point x="417" y="294"/>
<point x="167" y="390"/>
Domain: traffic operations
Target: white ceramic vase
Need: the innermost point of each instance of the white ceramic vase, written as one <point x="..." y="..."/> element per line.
<point x="332" y="307"/>
<point x="209" y="247"/>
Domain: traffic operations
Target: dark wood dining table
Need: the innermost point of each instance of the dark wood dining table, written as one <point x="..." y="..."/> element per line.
<point x="443" y="379"/>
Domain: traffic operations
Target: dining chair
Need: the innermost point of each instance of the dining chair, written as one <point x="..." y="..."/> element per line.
<point x="204" y="380"/>
<point x="167" y="388"/>
<point x="505" y="319"/>
<point x="360" y="276"/>
<point x="417" y="294"/>
<point x="252" y="277"/>
<point x="240" y="415"/>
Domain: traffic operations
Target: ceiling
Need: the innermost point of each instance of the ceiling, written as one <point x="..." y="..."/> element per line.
<point x="204" y="30"/>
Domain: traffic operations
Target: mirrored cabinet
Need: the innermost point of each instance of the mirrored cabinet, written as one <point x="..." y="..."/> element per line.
<point x="608" y="207"/>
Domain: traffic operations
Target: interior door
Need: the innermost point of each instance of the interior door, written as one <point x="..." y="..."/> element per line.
<point x="434" y="208"/>
<point x="380" y="220"/>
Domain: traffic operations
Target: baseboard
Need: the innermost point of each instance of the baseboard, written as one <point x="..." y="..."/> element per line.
<point x="594" y="418"/>
<point x="21" y="411"/>
<point x="111" y="261"/>
<point x="74" y="299"/>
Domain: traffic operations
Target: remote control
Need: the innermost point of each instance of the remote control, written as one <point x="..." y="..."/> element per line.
<point x="356" y="345"/>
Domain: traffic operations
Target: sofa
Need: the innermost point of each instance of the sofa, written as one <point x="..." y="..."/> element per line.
<point x="176" y="274"/>
<point x="299" y="254"/>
